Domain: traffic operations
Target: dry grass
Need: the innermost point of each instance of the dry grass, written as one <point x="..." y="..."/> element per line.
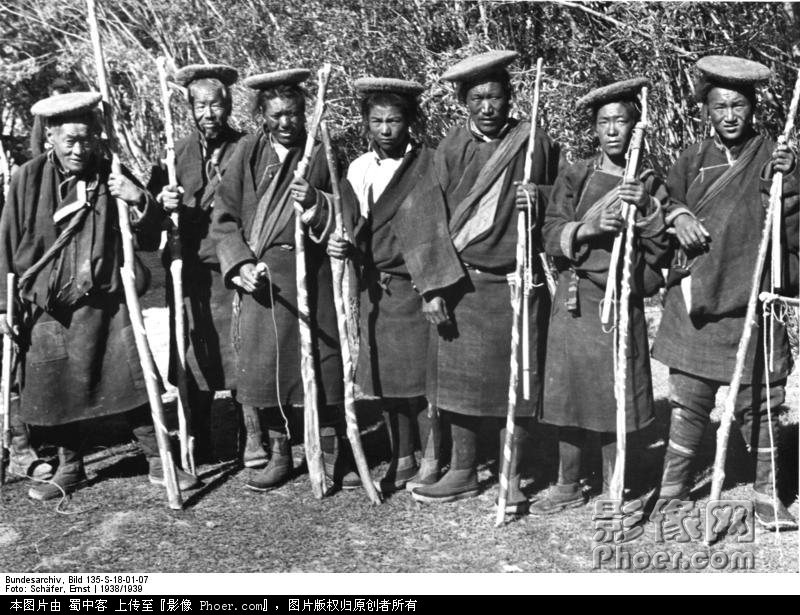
<point x="121" y="523"/>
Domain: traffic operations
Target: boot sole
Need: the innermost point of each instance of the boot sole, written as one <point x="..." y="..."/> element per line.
<point x="782" y="525"/>
<point x="532" y="510"/>
<point x="264" y="489"/>
<point x="162" y="483"/>
<point x="256" y="463"/>
<point x="444" y="499"/>
<point x="69" y="491"/>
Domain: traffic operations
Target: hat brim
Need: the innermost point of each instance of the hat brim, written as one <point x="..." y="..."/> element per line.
<point x="67" y="105"/>
<point x="479" y="65"/>
<point x="733" y="70"/>
<point x="373" y="85"/>
<point x="613" y="92"/>
<point x="193" y="72"/>
<point x="291" y="76"/>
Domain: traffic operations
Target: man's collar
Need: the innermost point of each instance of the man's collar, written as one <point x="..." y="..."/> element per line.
<point x="733" y="151"/>
<point x="476" y="132"/>
<point x="376" y="151"/>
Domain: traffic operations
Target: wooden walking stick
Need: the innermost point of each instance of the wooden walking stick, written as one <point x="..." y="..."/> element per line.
<point x="176" y="274"/>
<point x="129" y="284"/>
<point x="8" y="358"/>
<point x="617" y="483"/>
<point x="5" y="437"/>
<point x="340" y="268"/>
<point x="729" y="406"/>
<point x="316" y="466"/>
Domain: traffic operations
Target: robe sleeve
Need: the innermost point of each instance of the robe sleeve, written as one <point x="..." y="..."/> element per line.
<point x="560" y="226"/>
<point x="145" y="218"/>
<point x="227" y="229"/>
<point x="420" y="226"/>
<point x="11" y="229"/>
<point x="678" y="181"/>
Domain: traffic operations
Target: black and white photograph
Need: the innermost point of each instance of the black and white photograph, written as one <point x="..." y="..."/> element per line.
<point x="310" y="287"/>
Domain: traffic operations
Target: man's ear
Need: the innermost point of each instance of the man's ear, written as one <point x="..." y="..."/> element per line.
<point x="50" y="133"/>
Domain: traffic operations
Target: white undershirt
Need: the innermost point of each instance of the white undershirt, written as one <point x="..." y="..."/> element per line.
<point x="370" y="171"/>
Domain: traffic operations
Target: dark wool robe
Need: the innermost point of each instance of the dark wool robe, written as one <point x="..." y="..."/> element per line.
<point x="469" y="358"/>
<point x="704" y="340"/>
<point x="404" y="251"/>
<point x="265" y="329"/>
<point x="82" y="360"/>
<point x="208" y="302"/>
<point x="579" y="373"/>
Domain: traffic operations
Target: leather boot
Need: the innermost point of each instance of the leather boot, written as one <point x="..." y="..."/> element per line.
<point x="69" y="476"/>
<point x="770" y="512"/>
<point x="685" y="435"/>
<point x="145" y="435"/>
<point x="279" y="468"/>
<point x="338" y="459"/>
<point x="430" y="439"/>
<point x="23" y="460"/>
<point x="254" y="455"/>
<point x="403" y="465"/>
<point x="461" y="480"/>
<point x="516" y="501"/>
<point x="567" y="493"/>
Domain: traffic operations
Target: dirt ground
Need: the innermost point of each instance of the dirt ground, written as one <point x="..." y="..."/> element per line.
<point x="121" y="522"/>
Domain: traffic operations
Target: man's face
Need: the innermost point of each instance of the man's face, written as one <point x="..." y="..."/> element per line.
<point x="488" y="105"/>
<point x="73" y="143"/>
<point x="388" y="129"/>
<point x="730" y="112"/>
<point x="209" y="108"/>
<point x="285" y="121"/>
<point x="613" y="126"/>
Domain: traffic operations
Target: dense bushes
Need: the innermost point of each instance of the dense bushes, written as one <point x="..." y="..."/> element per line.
<point x="582" y="44"/>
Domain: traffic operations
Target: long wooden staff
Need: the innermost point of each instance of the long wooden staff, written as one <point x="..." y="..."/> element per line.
<point x="520" y="287"/>
<point x="8" y="357"/>
<point x="775" y="200"/>
<point x="176" y="273"/>
<point x="129" y="284"/>
<point x="340" y="268"/>
<point x="316" y="466"/>
<point x="5" y="437"/>
<point x="617" y="483"/>
<point x="527" y="272"/>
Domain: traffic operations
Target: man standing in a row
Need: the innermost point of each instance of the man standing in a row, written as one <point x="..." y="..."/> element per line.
<point x="403" y="251"/>
<point x="200" y="162"/>
<point x="253" y="225"/>
<point x="59" y="233"/>
<point x="720" y="189"/>
<point x="478" y="170"/>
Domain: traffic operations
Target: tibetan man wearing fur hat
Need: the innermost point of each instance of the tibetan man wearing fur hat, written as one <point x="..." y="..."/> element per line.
<point x="403" y="251"/>
<point x="720" y="190"/>
<point x="253" y="225"/>
<point x="59" y="233"/>
<point x="201" y="158"/>
<point x="477" y="171"/>
<point x="584" y="214"/>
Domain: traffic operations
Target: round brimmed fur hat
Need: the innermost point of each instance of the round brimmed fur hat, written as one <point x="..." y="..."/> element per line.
<point x="192" y="72"/>
<point x="732" y="70"/>
<point x="473" y="67"/>
<point x="72" y="104"/>
<point x="290" y="76"/>
<point x="613" y="92"/>
<point x="372" y="85"/>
